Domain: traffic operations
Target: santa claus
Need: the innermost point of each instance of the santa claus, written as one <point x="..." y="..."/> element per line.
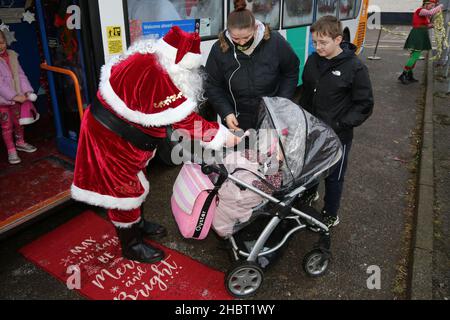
<point x="155" y="84"/>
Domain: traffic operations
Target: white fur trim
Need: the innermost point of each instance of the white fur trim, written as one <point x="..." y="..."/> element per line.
<point x="219" y="140"/>
<point x="189" y="61"/>
<point x="163" y="118"/>
<point x="169" y="116"/>
<point x="32" y="97"/>
<point x="128" y="225"/>
<point x="109" y="202"/>
<point x="26" y="121"/>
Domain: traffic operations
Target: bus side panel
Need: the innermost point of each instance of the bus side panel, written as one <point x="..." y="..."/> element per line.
<point x="299" y="39"/>
<point x="113" y="27"/>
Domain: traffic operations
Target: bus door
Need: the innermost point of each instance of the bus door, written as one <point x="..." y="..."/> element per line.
<point x="64" y="60"/>
<point x="64" y="74"/>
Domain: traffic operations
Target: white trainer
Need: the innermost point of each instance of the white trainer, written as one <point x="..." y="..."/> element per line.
<point x="13" y="158"/>
<point x="26" y="147"/>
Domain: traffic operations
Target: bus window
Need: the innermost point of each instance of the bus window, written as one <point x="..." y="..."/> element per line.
<point x="154" y="18"/>
<point x="347" y="9"/>
<point x="298" y="13"/>
<point x="326" y="8"/>
<point x="266" y="11"/>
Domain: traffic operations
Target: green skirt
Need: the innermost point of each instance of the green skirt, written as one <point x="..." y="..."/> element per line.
<point x="418" y="39"/>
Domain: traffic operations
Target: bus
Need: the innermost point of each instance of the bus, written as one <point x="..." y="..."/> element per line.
<point x="63" y="44"/>
<point x="398" y="12"/>
<point x="291" y="18"/>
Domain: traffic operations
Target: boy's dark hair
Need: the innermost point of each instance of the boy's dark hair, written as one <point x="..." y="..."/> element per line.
<point x="240" y="18"/>
<point x="328" y="26"/>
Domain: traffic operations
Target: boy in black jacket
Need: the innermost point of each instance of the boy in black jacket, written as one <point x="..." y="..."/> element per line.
<point x="336" y="89"/>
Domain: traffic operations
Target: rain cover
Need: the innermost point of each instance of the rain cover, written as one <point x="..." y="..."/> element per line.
<point x="308" y="146"/>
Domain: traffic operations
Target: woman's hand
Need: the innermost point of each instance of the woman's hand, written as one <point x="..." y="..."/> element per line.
<point x="20" y="98"/>
<point x="232" y="122"/>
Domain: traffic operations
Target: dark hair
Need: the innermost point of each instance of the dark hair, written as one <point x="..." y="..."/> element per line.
<point x="328" y="26"/>
<point x="240" y="18"/>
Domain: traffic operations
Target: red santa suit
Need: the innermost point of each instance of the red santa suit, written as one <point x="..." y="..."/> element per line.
<point x="139" y="87"/>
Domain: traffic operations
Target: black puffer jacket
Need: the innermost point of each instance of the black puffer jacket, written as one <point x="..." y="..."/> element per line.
<point x="271" y="70"/>
<point x="338" y="91"/>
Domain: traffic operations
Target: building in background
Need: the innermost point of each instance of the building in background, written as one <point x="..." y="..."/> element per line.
<point x="399" y="12"/>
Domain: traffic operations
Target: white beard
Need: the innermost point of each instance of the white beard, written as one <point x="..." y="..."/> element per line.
<point x="189" y="81"/>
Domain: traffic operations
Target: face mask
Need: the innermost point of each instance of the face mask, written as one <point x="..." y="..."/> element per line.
<point x="245" y="46"/>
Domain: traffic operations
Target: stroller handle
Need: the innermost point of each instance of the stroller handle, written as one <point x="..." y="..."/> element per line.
<point x="207" y="168"/>
<point x="212" y="168"/>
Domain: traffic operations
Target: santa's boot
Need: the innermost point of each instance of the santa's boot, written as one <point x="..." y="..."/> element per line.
<point x="152" y="230"/>
<point x="149" y="229"/>
<point x="410" y="77"/>
<point x="134" y="248"/>
<point x="404" y="78"/>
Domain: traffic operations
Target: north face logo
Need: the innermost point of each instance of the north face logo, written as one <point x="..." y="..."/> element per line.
<point x="337" y="73"/>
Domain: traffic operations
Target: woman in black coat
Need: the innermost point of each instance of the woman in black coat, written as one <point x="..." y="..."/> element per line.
<point x="248" y="62"/>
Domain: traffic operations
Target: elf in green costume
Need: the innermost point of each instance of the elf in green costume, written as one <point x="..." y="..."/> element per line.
<point x="419" y="39"/>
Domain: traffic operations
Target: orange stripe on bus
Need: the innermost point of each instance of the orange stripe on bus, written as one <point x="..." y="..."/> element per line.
<point x="362" y="26"/>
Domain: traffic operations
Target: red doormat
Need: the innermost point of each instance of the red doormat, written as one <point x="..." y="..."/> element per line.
<point x="89" y="242"/>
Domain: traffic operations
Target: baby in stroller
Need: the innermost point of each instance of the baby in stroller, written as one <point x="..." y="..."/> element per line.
<point x="289" y="152"/>
<point x="260" y="167"/>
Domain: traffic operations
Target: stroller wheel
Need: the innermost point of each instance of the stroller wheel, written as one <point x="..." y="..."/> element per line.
<point x="315" y="263"/>
<point x="244" y="279"/>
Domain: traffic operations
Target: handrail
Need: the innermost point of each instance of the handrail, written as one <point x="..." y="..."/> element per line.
<point x="71" y="74"/>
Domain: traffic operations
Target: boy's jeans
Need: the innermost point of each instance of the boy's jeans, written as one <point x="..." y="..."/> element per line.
<point x="334" y="183"/>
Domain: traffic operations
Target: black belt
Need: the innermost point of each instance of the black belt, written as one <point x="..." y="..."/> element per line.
<point x="123" y="129"/>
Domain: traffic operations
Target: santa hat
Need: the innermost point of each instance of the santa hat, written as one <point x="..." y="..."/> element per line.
<point x="181" y="47"/>
<point x="430" y="1"/>
<point x="164" y="103"/>
<point x="28" y="113"/>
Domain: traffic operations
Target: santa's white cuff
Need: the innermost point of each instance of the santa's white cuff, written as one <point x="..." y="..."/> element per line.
<point x="219" y="140"/>
<point x="123" y="225"/>
<point x="111" y="202"/>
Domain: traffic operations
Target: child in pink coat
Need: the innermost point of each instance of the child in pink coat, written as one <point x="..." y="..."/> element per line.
<point x="15" y="92"/>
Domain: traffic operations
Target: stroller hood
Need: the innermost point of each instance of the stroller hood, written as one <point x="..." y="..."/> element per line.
<point x="309" y="147"/>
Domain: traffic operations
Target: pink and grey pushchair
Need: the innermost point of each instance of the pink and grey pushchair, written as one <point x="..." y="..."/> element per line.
<point x="306" y="150"/>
